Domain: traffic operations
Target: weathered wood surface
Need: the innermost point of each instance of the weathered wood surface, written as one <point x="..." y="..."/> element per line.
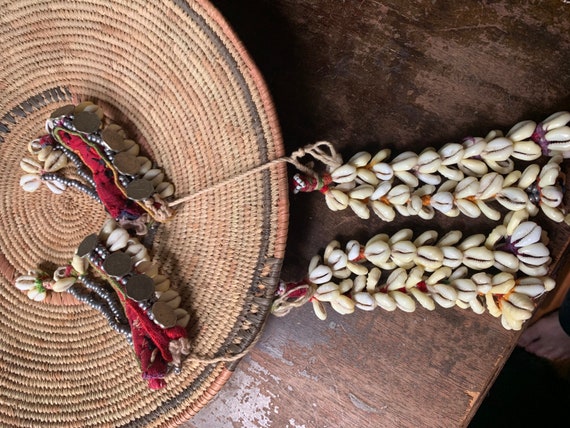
<point x="405" y="75"/>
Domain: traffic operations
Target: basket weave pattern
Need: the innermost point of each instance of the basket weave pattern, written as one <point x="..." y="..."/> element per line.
<point x="174" y="75"/>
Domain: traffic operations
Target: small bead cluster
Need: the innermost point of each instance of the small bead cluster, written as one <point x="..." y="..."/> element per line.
<point x="396" y="272"/>
<point x="478" y="171"/>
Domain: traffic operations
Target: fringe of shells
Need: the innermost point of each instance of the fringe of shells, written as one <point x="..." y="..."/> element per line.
<point x="398" y="271"/>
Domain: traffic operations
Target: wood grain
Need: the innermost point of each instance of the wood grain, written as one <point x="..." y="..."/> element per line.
<point x="404" y="75"/>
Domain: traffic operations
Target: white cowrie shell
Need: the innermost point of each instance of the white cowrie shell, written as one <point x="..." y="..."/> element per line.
<point x="148" y="268"/>
<point x="356" y="268"/>
<point x="426" y="238"/>
<point x="182" y="317"/>
<point x="171" y="298"/>
<point x="513" y="219"/>
<point x="377" y="252"/>
<point x="333" y="245"/>
<point x="415" y="275"/>
<point x="63" y="284"/>
<point x="495" y="133"/>
<point x="502" y="283"/>
<point x="512" y="198"/>
<point x="404" y="161"/>
<point x="353" y="248"/>
<point x="521" y="301"/>
<point x="488" y="212"/>
<point x="556" y="120"/>
<point x="360" y="159"/>
<point x="479" y="258"/>
<point x="378" y="237"/>
<point x="55" y="161"/>
<point x="402" y="210"/>
<point x="415" y="204"/>
<point x="428" y="162"/>
<point x="452" y="256"/>
<point x="359" y="283"/>
<point x="526" y="233"/>
<point x="79" y="264"/>
<point x="34" y="147"/>
<point x="408" y="178"/>
<point x="383" y="171"/>
<point x="423" y="299"/>
<point x="511" y="178"/>
<point x="379" y="157"/>
<point x="531" y="290"/>
<point x="320" y="274"/>
<point x="315" y="260"/>
<point x="25" y="282"/>
<point x="56" y="187"/>
<point x="444" y="290"/>
<point x="529" y="176"/>
<point x="327" y="292"/>
<point x="337" y="259"/>
<point x="131" y="147"/>
<point x="511" y="311"/>
<point x="533" y="270"/>
<point x="145" y="165"/>
<point x="451" y="173"/>
<point x="399" y="194"/>
<point x="403" y="301"/>
<point x="466" y="297"/>
<point x="385" y="301"/>
<point x="492" y="305"/>
<point x="319" y="310"/>
<point x="489" y="185"/>
<point x="466" y="188"/>
<point x="161" y="283"/>
<point x="506" y="262"/>
<point x="476" y="306"/>
<point x="367" y="176"/>
<point x="482" y="281"/>
<point x="448" y="186"/>
<point x="473" y="146"/>
<point x="526" y="150"/>
<point x="359" y="208"/>
<point x="429" y="178"/>
<point x="508" y="323"/>
<point x="336" y="200"/>
<point x="381" y="190"/>
<point x="30" y="166"/>
<point x="460" y="272"/>
<point x="561" y="147"/>
<point x="473" y="167"/>
<point x="155" y="176"/>
<point x="36" y="295"/>
<point x="43" y="153"/>
<point x="442" y="201"/>
<point x="108" y="226"/>
<point x="430" y="257"/>
<point x="451" y="153"/>
<point x="165" y="189"/>
<point x="401" y="235"/>
<point x="498" y="149"/>
<point x="396" y="279"/>
<point x="549" y="173"/>
<point x="342" y="273"/>
<point x="464" y="284"/>
<point x="344" y="174"/>
<point x="426" y="213"/>
<point x="450" y="238"/>
<point x="522" y="130"/>
<point x="345" y="285"/>
<point x="534" y="254"/>
<point x="442" y="301"/>
<point x="468" y="208"/>
<point x="403" y="252"/>
<point x="364" y="300"/>
<point x="372" y="279"/>
<point x="361" y="192"/>
<point x="502" y="167"/>
<point x="472" y="241"/>
<point x="30" y="182"/>
<point x="344" y="305"/>
<point x="440" y="274"/>
<point x="561" y="133"/>
<point x="117" y="239"/>
<point x="551" y="196"/>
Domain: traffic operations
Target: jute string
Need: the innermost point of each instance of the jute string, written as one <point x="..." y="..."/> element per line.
<point x="322" y="151"/>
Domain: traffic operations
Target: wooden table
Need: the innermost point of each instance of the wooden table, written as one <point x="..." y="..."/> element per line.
<point x="406" y="75"/>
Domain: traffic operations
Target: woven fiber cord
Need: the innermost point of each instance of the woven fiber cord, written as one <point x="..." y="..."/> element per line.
<point x="176" y="77"/>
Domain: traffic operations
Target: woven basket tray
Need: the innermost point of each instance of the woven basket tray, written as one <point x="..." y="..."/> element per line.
<point x="176" y="77"/>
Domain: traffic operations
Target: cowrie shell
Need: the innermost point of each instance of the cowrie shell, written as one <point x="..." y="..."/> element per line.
<point x="79" y="264"/>
<point x="396" y="279"/>
<point x="448" y="186"/>
<point x="451" y="173"/>
<point x="444" y="290"/>
<point x="468" y="208"/>
<point x="30" y="182"/>
<point x="63" y="284"/>
<point x="344" y="305"/>
<point x="385" y="301"/>
<point x="521" y="301"/>
<point x="511" y="178"/>
<point x="492" y="305"/>
<point x="408" y="178"/>
<point x="171" y="298"/>
<point x="556" y="120"/>
<point x="534" y="254"/>
<point x="473" y="146"/>
<point x="522" y="130"/>
<point x="364" y="300"/>
<point x="353" y="250"/>
<point x="442" y="301"/>
<point x="383" y="171"/>
<point x="511" y="311"/>
<point x="372" y="279"/>
<point x="466" y="188"/>
<point x="531" y="290"/>
<point x="415" y="275"/>
<point x="460" y="272"/>
<point x="561" y="133"/>
<point x="381" y="190"/>
<point x="336" y="200"/>
<point x="361" y="192"/>
<point x="526" y="150"/>
<point x="502" y="167"/>
<point x="56" y="187"/>
<point x="36" y="295"/>
<point x="345" y="285"/>
<point x="498" y="149"/>
<point x="473" y="167"/>
<point x="529" y="176"/>
<point x="360" y="159"/>
<point x="131" y="147"/>
<point x="513" y="219"/>
<point x="378" y="252"/>
<point x="327" y="292"/>
<point x="182" y="317"/>
<point x="476" y="306"/>
<point x="472" y="241"/>
<point x="403" y="252"/>
<point x="367" y="176"/>
<point x="479" y="258"/>
<point x="502" y="283"/>
<point x="442" y="201"/>
<point x="399" y="194"/>
<point x="526" y="233"/>
<point x="512" y="198"/>
<point x="165" y="189"/>
<point x="30" y="166"/>
<point x="482" y="281"/>
<point x="359" y="283"/>
<point x="450" y="238"/>
<point x="337" y="259"/>
<point x="403" y="301"/>
<point x="43" y="153"/>
<point x="34" y="147"/>
<point x="359" y="208"/>
<point x="404" y="161"/>
<point x="551" y="196"/>
<point x="356" y="268"/>
<point x="495" y="133"/>
<point x="451" y="153"/>
<point x="423" y="299"/>
<point x="401" y="235"/>
<point x="55" y="161"/>
<point x="344" y="174"/>
<point x="319" y="310"/>
<point x="438" y="275"/>
<point x="506" y="262"/>
<point x="333" y="245"/>
<point x="452" y="256"/>
<point x="488" y="212"/>
<point x="379" y="157"/>
<point x="320" y="274"/>
<point x="428" y="162"/>
<point x="161" y="283"/>
<point x="426" y="238"/>
<point x="430" y="257"/>
<point x="429" y="178"/>
<point x="489" y="185"/>
<point x="25" y="282"/>
<point x="342" y="273"/>
<point x="379" y="237"/>
<point x="464" y="284"/>
<point x="531" y="270"/>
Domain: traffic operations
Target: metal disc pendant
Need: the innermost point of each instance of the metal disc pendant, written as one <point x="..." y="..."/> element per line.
<point x="86" y="122"/>
<point x="113" y="140"/>
<point x="126" y="163"/>
<point x="65" y="110"/>
<point x="163" y="315"/>
<point x="139" y="189"/>
<point x="140" y="287"/>
<point x="117" y="264"/>
<point x="87" y="245"/>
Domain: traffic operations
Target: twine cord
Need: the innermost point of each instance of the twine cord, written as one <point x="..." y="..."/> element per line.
<point x="322" y="151"/>
<point x="283" y="304"/>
